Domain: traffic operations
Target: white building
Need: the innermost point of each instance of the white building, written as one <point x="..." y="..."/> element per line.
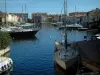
<point x="10" y="19"/>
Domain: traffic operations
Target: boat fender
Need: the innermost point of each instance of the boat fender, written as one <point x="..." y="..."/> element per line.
<point x="7" y="65"/>
<point x="2" y="68"/>
<point x="10" y="63"/>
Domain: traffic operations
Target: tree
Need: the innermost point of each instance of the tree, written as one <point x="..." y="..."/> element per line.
<point x="29" y="20"/>
<point x="5" y="40"/>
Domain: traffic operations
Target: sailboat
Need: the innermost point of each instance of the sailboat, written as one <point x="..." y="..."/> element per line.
<point x="74" y="26"/>
<point x="59" y="23"/>
<point x="22" y="30"/>
<point x="65" y="56"/>
<point x="23" y="19"/>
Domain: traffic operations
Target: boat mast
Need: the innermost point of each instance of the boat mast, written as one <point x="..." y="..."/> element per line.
<point x="5" y="12"/>
<point x="22" y="13"/>
<point x="75" y="16"/>
<point x="65" y="19"/>
<point x="25" y="13"/>
<point x="61" y="14"/>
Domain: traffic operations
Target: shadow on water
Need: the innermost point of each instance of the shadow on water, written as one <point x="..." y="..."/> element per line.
<point x="25" y="38"/>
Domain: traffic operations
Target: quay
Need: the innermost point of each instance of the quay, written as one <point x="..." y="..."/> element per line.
<point x="90" y="54"/>
<point x="89" y="73"/>
<point x="3" y="52"/>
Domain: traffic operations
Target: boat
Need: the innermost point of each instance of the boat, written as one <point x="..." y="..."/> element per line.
<point x="72" y="26"/>
<point x="82" y="29"/>
<point x="20" y="30"/>
<point x="65" y="58"/>
<point x="65" y="55"/>
<point x="54" y="24"/>
<point x="98" y="36"/>
<point x="59" y="23"/>
<point x="6" y="65"/>
<point x="90" y="54"/>
<point x="25" y="30"/>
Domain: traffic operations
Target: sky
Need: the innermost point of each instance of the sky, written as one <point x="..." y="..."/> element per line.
<point x="48" y="6"/>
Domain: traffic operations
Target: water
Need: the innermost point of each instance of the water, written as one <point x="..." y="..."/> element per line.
<point x="35" y="56"/>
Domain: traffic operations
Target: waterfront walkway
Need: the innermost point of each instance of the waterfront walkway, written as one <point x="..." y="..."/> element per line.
<point x="4" y="51"/>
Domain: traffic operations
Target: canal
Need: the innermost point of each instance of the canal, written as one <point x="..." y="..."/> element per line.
<point x="35" y="56"/>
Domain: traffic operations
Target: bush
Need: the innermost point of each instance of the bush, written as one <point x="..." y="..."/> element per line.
<point x="5" y="40"/>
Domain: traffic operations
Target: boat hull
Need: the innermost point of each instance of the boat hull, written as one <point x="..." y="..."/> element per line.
<point x="23" y="34"/>
<point x="6" y="65"/>
<point x="66" y="64"/>
<point x="7" y="71"/>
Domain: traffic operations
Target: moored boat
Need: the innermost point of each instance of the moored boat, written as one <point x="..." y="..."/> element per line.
<point x="65" y="58"/>
<point x="72" y="27"/>
<point x="5" y="65"/>
<point x="21" y="30"/>
<point x="65" y="54"/>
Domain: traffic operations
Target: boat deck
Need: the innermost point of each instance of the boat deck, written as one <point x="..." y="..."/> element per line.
<point x="18" y="29"/>
<point x="64" y="54"/>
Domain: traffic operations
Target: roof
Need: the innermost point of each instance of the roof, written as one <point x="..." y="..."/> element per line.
<point x="95" y="11"/>
<point x="77" y="12"/>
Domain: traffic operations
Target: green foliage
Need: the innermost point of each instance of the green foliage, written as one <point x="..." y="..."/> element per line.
<point x="5" y="40"/>
<point x="29" y="20"/>
<point x="48" y="20"/>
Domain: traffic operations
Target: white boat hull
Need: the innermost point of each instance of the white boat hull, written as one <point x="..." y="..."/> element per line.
<point x="5" y="64"/>
<point x="65" y="64"/>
